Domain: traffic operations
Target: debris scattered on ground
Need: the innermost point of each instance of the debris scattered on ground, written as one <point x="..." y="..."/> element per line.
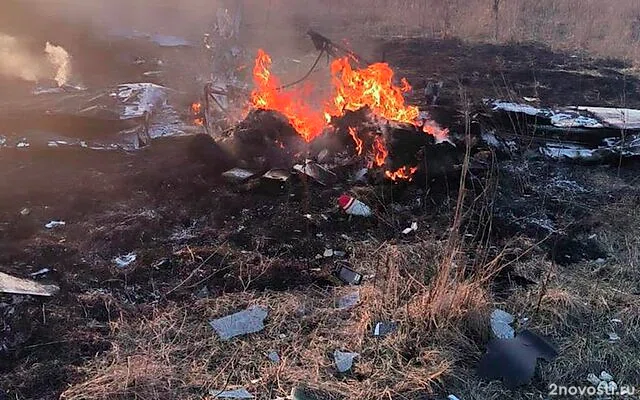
<point x="55" y="224"/>
<point x="12" y="285"/>
<point x="317" y="172"/>
<point x="203" y="293"/>
<point x="273" y="356"/>
<point x="344" y="360"/>
<point x="604" y="382"/>
<point x="238" y="175"/>
<point x="349" y="300"/>
<point x="349" y="276"/>
<point x="412" y="228"/>
<point x="383" y="329"/>
<point x="352" y="206"/>
<point x="125" y="260"/>
<point x="514" y="360"/>
<point x="280" y="175"/>
<point x="231" y="394"/>
<point x="25" y="211"/>
<point x="244" y="322"/>
<point x="613" y="337"/>
<point x="43" y="271"/>
<point x="305" y="392"/>
<point x="328" y="253"/>
<point x="501" y="324"/>
<point x="605" y="376"/>
<point x="452" y="397"/>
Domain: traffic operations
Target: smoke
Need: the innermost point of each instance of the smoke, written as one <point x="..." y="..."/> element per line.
<point x="60" y="58"/>
<point x="17" y="60"/>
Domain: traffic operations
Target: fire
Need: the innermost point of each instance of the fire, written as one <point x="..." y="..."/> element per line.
<point x="308" y="123"/>
<point x="404" y="173"/>
<point x="359" y="143"/>
<point x="196" y="110"/>
<point x="370" y="87"/>
<point x="380" y="151"/>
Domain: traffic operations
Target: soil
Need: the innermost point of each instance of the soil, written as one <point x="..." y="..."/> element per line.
<point x="189" y="229"/>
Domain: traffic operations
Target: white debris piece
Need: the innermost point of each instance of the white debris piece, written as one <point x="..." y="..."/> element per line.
<point x="593" y="379"/>
<point x="244" y="322"/>
<point x="125" y="260"/>
<point x="501" y="324"/>
<point x="349" y="300"/>
<point x="55" y="224"/>
<point x="344" y="360"/>
<point x="452" y="397"/>
<point x="605" y="376"/>
<point x="613" y="337"/>
<point x="412" y="228"/>
<point x="12" y="285"/>
<point x="231" y="394"/>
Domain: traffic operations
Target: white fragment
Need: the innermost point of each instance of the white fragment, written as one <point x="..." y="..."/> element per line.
<point x="344" y="360"/>
<point x="501" y="324"/>
<point x="593" y="379"/>
<point x="613" y="387"/>
<point x="605" y="376"/>
<point x="43" y="271"/>
<point x="244" y="322"/>
<point x="231" y="394"/>
<point x="125" y="260"/>
<point x="328" y="253"/>
<point x="54" y="224"/>
<point x="452" y="397"/>
<point x="349" y="300"/>
<point x="613" y="337"/>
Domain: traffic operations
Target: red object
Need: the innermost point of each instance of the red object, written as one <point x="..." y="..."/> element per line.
<point x="345" y="201"/>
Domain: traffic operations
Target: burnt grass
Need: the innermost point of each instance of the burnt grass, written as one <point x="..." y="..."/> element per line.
<point x="192" y="230"/>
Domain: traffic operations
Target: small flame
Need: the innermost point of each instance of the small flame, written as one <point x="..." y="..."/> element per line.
<point x="380" y="151"/>
<point x="403" y="173"/>
<point x="359" y="143"/>
<point x="196" y="110"/>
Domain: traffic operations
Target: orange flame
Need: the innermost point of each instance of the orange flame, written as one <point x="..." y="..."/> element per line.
<point x="356" y="139"/>
<point x="266" y="96"/>
<point x="404" y="173"/>
<point x="371" y="87"/>
<point x="196" y="110"/>
<point x="380" y="151"/>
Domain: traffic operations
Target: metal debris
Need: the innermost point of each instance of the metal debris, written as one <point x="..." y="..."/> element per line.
<point x="605" y="376"/>
<point x="349" y="276"/>
<point x="349" y="300"/>
<point x="125" y="260"/>
<point x="328" y="253"/>
<point x="315" y="171"/>
<point x="12" y="285"/>
<point x="55" y="224"/>
<point x="280" y="175"/>
<point x="273" y="356"/>
<point x="231" y="394"/>
<point x="514" y="360"/>
<point x="501" y="324"/>
<point x="613" y="337"/>
<point x="452" y="397"/>
<point x="244" y="322"/>
<point x="344" y="360"/>
<point x="383" y="329"/>
<point x="25" y="211"/>
<point x="238" y="175"/>
<point x="43" y="271"/>
<point x="593" y="379"/>
<point x="412" y="228"/>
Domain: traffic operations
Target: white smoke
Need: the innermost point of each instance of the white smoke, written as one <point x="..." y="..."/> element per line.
<point x="18" y="61"/>
<point x="59" y="58"/>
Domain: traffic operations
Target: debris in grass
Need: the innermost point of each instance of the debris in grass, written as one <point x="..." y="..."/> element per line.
<point x="349" y="300"/>
<point x="353" y="206"/>
<point x="349" y="276"/>
<point x="593" y="379"/>
<point x="328" y="253"/>
<point x="125" y="260"/>
<point x="501" y="324"/>
<point x="605" y="376"/>
<point x="25" y="211"/>
<point x="514" y="360"/>
<point x="273" y="356"/>
<point x="244" y="322"/>
<point x="452" y="397"/>
<point x="55" y="224"/>
<point x="383" y="329"/>
<point x="613" y="337"/>
<point x="202" y="293"/>
<point x="412" y="228"/>
<point x="231" y="394"/>
<point x="344" y="360"/>
<point x="280" y="175"/>
<point x="43" y="271"/>
<point x="12" y="285"/>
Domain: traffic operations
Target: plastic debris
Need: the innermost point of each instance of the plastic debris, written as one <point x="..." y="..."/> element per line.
<point x="593" y="379"/>
<point x="273" y="356"/>
<point x="344" y="360"/>
<point x="244" y="322"/>
<point x="452" y="397"/>
<point x="12" y="285"/>
<point x="238" y="175"/>
<point x="25" y="211"/>
<point x="501" y="324"/>
<point x="280" y="175"/>
<point x="353" y="206"/>
<point x="349" y="276"/>
<point x="383" y="329"/>
<point x="412" y="228"/>
<point x="231" y="394"/>
<point x="55" y="224"/>
<point x="349" y="300"/>
<point x="125" y="260"/>
<point x="328" y="253"/>
<point x="514" y="360"/>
